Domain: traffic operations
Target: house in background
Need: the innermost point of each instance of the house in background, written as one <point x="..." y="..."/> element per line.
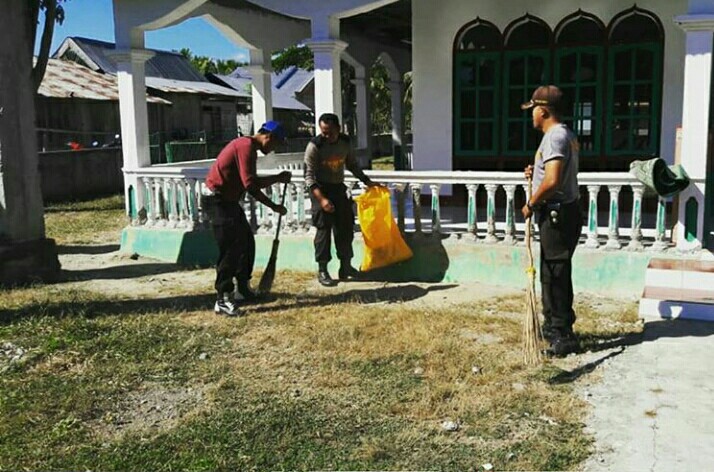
<point x="293" y="92"/>
<point x="198" y="105"/>
<point x="76" y="104"/>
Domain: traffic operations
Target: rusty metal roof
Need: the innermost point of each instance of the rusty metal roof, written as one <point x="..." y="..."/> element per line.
<point x="67" y="79"/>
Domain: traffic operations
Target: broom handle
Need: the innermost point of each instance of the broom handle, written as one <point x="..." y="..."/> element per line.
<point x="280" y="217"/>
<point x="528" y="224"/>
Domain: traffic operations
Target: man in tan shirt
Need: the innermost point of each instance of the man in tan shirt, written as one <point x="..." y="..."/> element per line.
<point x="326" y="158"/>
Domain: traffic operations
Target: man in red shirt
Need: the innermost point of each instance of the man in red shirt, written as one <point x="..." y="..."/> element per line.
<point x="233" y="174"/>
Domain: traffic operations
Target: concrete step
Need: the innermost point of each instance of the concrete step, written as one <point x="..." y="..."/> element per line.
<point x="678" y="289"/>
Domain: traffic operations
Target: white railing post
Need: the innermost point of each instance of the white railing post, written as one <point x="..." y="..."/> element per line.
<point x="510" y="237"/>
<point x="636" y="229"/>
<point x="613" y="231"/>
<point x="301" y="214"/>
<point x="197" y="215"/>
<point x="660" y="244"/>
<point x="160" y="201"/>
<point x="435" y="209"/>
<point x="290" y="221"/>
<point x="174" y="202"/>
<point x="491" y="213"/>
<point x="592" y="241"/>
<point x="416" y="206"/>
<point x="145" y="188"/>
<point x="472" y="224"/>
<point x="401" y="207"/>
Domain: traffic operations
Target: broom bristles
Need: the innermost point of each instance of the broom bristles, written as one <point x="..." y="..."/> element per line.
<point x="532" y="334"/>
<point x="266" y="280"/>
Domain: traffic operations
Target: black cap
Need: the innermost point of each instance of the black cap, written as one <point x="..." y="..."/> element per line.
<point x="545" y="96"/>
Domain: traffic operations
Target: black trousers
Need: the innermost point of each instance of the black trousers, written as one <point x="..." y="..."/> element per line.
<point x="236" y="243"/>
<point x="340" y="222"/>
<point x="558" y="240"/>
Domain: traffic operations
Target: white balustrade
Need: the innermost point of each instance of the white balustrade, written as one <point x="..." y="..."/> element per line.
<point x="172" y="200"/>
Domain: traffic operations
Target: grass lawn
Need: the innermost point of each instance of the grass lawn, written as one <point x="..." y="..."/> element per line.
<point x="100" y="381"/>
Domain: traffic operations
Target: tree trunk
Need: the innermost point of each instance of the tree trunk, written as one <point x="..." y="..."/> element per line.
<point x="25" y="254"/>
<point x="48" y="30"/>
<point x="21" y="208"/>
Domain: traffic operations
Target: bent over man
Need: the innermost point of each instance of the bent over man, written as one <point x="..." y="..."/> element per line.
<point x="233" y="174"/>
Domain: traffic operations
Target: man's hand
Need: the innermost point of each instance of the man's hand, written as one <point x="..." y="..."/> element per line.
<point x="280" y="209"/>
<point x="327" y="205"/>
<point x="527" y="212"/>
<point x="285" y="176"/>
<point x="528" y="172"/>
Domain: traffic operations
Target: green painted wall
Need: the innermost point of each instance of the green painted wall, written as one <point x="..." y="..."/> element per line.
<point x="619" y="273"/>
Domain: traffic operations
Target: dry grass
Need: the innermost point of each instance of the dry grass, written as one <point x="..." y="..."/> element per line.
<point x="306" y="381"/>
<point x="298" y="384"/>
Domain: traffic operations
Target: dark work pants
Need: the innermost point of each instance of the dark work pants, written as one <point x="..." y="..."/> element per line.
<point x="558" y="241"/>
<point x="236" y="243"/>
<point x="340" y="222"/>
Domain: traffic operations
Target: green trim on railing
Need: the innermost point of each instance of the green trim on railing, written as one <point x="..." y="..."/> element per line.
<point x="690" y="219"/>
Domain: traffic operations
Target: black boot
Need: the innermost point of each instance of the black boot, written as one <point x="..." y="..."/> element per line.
<point x="562" y="343"/>
<point x="323" y="276"/>
<point x="245" y="293"/>
<point x="347" y="272"/>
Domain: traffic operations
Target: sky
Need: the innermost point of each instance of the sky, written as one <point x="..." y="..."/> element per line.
<point x="95" y="19"/>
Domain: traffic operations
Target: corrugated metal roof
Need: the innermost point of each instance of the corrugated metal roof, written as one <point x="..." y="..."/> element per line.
<point x="281" y="100"/>
<point x="165" y="64"/>
<point x="67" y="79"/>
<point x="183" y="86"/>
<point x="293" y="80"/>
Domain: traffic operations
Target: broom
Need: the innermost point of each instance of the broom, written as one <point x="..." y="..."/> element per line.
<point x="532" y="334"/>
<point x="266" y="280"/>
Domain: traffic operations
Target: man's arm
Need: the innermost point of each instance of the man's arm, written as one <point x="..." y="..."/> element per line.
<point x="353" y="166"/>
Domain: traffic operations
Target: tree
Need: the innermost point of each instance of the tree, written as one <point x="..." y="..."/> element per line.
<point x="207" y="65"/>
<point x="54" y="13"/>
<point x="299" y="56"/>
<point x="26" y="253"/>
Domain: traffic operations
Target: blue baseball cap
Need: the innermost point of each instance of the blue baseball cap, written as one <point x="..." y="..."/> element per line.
<point x="275" y="128"/>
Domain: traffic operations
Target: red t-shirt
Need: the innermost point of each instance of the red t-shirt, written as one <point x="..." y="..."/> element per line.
<point x="234" y="171"/>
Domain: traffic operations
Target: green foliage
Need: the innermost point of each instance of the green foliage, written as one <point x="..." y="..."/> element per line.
<point x="208" y="65"/>
<point x="299" y="56"/>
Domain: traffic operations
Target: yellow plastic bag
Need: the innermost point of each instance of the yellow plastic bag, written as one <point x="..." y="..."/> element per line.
<point x="383" y="242"/>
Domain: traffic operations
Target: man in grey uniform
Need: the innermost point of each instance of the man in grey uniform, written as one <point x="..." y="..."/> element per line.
<point x="555" y="200"/>
<point x="326" y="158"/>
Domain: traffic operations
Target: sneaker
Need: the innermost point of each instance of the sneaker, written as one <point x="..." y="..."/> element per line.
<point x="325" y="280"/>
<point x="226" y="306"/>
<point x="245" y="294"/>
<point x="348" y="272"/>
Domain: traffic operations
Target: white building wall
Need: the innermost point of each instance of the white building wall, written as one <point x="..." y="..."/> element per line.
<point x="433" y="39"/>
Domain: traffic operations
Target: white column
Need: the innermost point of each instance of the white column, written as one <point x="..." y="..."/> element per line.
<point x="396" y="87"/>
<point x="134" y="120"/>
<point x="695" y="123"/>
<point x="328" y="83"/>
<point x="261" y="86"/>
<point x="364" y="125"/>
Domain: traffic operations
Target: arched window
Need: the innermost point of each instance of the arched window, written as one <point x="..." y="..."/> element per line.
<point x="579" y="62"/>
<point x="526" y="66"/>
<point x="477" y="67"/>
<point x="634" y="84"/>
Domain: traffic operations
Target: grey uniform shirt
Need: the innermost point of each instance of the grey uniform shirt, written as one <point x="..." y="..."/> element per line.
<point x="559" y="143"/>
<point x="326" y="164"/>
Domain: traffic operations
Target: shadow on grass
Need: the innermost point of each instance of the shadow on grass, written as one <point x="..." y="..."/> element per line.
<point x="178" y="304"/>
<point x="87" y="249"/>
<point x="128" y="271"/>
<point x="653" y="331"/>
